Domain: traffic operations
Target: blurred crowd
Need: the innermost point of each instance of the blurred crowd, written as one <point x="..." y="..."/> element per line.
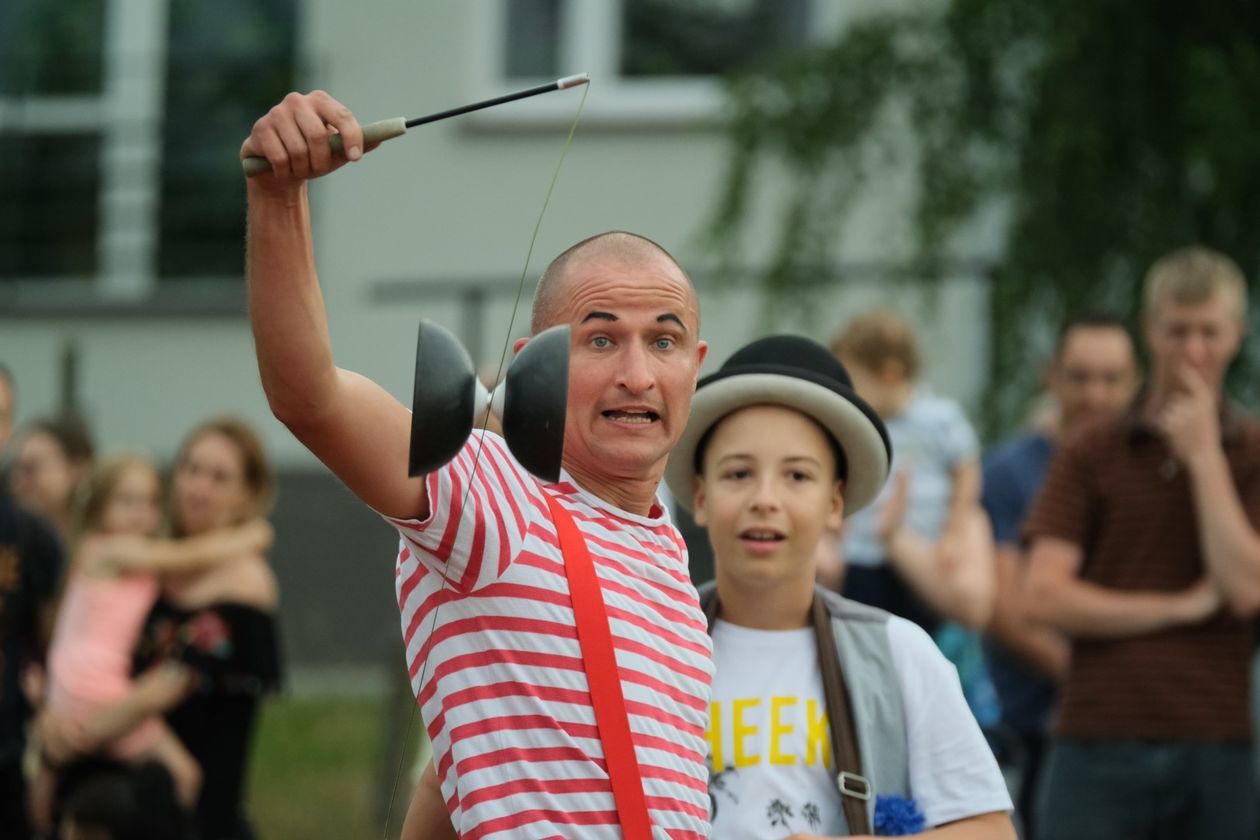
<point x="138" y="623"/>
<point x="1094" y="577"/>
<point x="1091" y="579"/>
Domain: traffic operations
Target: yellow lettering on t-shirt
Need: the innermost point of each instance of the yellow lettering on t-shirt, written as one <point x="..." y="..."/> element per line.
<point x="714" y="736"/>
<point x="742" y="731"/>
<point x="779" y="729"/>
<point x="817" y="735"/>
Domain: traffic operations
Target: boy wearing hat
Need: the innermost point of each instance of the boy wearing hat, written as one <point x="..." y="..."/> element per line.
<point x="777" y="450"/>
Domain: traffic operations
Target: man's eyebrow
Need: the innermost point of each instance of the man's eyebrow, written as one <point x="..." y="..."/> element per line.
<point x="608" y="316"/>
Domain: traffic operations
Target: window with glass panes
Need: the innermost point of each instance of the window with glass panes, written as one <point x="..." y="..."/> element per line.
<point x="652" y="59"/>
<point x="119" y="124"/>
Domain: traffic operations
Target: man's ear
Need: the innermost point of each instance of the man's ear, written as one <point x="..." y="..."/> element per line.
<point x="1239" y="335"/>
<point x="697" y="504"/>
<point x="518" y="344"/>
<point x="835" y="517"/>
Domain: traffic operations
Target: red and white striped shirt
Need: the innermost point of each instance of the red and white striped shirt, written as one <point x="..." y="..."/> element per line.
<point x="497" y="668"/>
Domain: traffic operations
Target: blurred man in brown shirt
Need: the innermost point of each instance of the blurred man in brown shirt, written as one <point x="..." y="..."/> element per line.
<point x="1145" y="551"/>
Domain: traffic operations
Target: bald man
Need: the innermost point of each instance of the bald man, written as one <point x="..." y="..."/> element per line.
<point x="486" y="614"/>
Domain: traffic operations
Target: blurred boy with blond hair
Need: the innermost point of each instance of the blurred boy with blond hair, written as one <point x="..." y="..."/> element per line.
<point x="907" y="553"/>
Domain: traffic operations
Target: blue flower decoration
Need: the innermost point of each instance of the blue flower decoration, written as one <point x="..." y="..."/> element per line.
<point x="897" y="816"/>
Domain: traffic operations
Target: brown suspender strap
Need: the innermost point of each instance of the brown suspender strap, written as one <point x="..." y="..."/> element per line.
<point x="855" y="789"/>
<point x="600" y="661"/>
<point x="711" y="608"/>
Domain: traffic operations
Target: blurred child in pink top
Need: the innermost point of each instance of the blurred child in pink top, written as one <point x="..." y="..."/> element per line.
<point x="94" y="705"/>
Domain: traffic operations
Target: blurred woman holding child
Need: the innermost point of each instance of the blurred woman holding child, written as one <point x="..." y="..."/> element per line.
<point x="205" y="656"/>
<point x="221" y="619"/>
<point x="95" y="708"/>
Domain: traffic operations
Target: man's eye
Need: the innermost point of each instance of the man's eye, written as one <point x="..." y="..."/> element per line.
<point x="664" y="343"/>
<point x="600" y="341"/>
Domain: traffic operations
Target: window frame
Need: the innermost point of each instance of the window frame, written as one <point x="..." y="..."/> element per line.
<point x="590" y="39"/>
<point x="127" y="114"/>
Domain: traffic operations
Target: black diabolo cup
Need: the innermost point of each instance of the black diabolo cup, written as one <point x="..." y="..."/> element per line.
<point x="447" y="400"/>
<point x="536" y="395"/>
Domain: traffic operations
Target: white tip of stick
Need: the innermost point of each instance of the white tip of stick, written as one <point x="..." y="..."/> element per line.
<point x="573" y="81"/>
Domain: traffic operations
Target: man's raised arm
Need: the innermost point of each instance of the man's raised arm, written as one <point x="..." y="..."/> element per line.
<point x="350" y="423"/>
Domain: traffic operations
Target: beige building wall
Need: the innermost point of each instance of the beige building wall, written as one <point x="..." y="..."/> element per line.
<point x="452" y="204"/>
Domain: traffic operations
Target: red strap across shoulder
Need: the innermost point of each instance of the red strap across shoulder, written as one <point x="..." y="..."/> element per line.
<point x="601" y="673"/>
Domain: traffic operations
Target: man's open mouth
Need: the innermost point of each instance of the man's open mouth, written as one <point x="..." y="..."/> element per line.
<point x="644" y="417"/>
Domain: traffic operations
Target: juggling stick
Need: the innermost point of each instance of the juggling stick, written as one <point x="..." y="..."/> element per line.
<point x="383" y="130"/>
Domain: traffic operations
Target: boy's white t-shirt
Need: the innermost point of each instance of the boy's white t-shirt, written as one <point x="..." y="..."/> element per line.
<point x="770" y="746"/>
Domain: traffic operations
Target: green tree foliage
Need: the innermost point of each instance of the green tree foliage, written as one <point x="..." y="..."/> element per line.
<point x="1112" y="132"/>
